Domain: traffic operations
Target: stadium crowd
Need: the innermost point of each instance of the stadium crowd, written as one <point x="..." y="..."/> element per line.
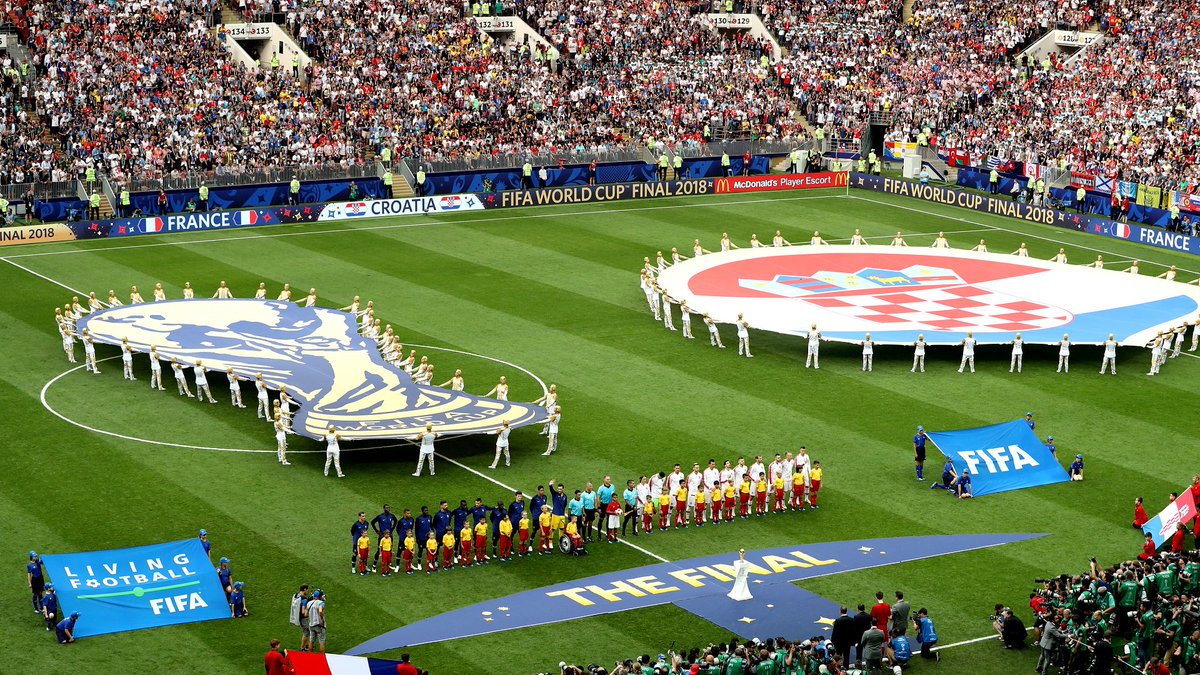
<point x="128" y="88"/>
<point x="878" y="639"/>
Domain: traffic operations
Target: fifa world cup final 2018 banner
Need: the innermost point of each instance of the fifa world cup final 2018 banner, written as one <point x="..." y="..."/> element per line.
<point x="1035" y="214"/>
<point x="999" y="458"/>
<point x="35" y="234"/>
<point x="584" y="194"/>
<point x="134" y="588"/>
<point x="796" y="181"/>
<point x="1181" y="511"/>
<point x="223" y="220"/>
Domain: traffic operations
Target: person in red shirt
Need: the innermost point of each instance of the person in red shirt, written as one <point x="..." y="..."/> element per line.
<point x="1147" y="548"/>
<point x="1178" y="539"/>
<point x="274" y="661"/>
<point x="1139" y="514"/>
<point x="404" y="667"/>
<point x="881" y="613"/>
<point x="746" y="164"/>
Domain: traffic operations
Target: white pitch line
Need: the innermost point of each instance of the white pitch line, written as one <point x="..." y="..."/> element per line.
<point x="44" y="277"/>
<point x="969" y="642"/>
<point x="1002" y="229"/>
<point x="397" y="226"/>
<point x="513" y="489"/>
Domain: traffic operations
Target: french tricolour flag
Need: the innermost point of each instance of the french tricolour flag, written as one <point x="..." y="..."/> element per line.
<point x="245" y="218"/>
<point x="1120" y="230"/>
<point x="153" y="225"/>
<point x="309" y="663"/>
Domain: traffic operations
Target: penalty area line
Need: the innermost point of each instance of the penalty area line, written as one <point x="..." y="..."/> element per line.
<point x="513" y="489"/>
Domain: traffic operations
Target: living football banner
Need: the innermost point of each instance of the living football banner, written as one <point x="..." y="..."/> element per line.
<point x="1001" y="457"/>
<point x="134" y="588"/>
<point x="1162" y="526"/>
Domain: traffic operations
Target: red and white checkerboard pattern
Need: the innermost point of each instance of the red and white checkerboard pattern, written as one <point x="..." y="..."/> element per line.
<point x="957" y="308"/>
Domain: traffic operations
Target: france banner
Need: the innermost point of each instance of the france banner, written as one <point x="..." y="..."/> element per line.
<point x="1162" y="526"/>
<point x="135" y="588"/>
<point x="1001" y="457"/>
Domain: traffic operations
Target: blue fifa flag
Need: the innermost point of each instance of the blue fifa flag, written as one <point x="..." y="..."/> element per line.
<point x="134" y="588"/>
<point x="1001" y="457"/>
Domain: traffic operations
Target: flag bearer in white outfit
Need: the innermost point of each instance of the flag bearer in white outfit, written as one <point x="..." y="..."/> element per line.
<point x="113" y="300"/>
<point x="502" y="445"/>
<point x="552" y="431"/>
<point x="1064" y="354"/>
<point x="754" y="242"/>
<point x="286" y="294"/>
<point x="698" y="250"/>
<point x="310" y="300"/>
<point x="1098" y="264"/>
<point x="685" y="316"/>
<point x="1195" y="335"/>
<point x="155" y="370"/>
<point x="858" y="239"/>
<point x="333" y="452"/>
<point x="549" y="402"/>
<point x="898" y="240"/>
<point x="668" y="321"/>
<point x="202" y="390"/>
<point x="188" y="292"/>
<point x="645" y="283"/>
<point x="68" y="340"/>
<point x="743" y="336"/>
<point x="127" y="360"/>
<point x="726" y="245"/>
<point x="675" y="257"/>
<point x="263" y="409"/>
<point x="89" y="354"/>
<point x="941" y="242"/>
<point x="968" y="353"/>
<point x="285" y="407"/>
<point x="1169" y="275"/>
<point x="1021" y="252"/>
<point x="779" y="241"/>
<point x="814" y="345"/>
<point x="981" y="247"/>
<point x="135" y="298"/>
<point x="817" y="240"/>
<point x="455" y="383"/>
<point x="180" y="379"/>
<point x="235" y="389"/>
<point x="426" y="439"/>
<point x="1133" y="269"/>
<point x="655" y="298"/>
<point x="500" y="391"/>
<point x="1180" y="332"/>
<point x="1060" y="257"/>
<point x="1110" y="355"/>
<point x="159" y="293"/>
<point x="223" y="292"/>
<point x="868" y="353"/>
<point x="1018" y="353"/>
<point x="918" y="354"/>
<point x="261" y="293"/>
<point x="281" y="440"/>
<point x="94" y="302"/>
<point x="714" y="338"/>
<point x="1156" y="355"/>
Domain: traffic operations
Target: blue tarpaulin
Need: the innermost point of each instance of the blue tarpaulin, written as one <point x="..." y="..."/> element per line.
<point x="1000" y="458"/>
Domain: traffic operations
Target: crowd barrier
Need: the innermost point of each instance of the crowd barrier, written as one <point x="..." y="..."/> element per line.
<point x="1035" y="214"/>
<point x="577" y="194"/>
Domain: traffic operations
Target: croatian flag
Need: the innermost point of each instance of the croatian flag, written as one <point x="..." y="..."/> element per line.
<point x="310" y="663"/>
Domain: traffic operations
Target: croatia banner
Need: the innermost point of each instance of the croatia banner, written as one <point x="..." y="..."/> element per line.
<point x="1162" y="526"/>
<point x="1034" y="171"/>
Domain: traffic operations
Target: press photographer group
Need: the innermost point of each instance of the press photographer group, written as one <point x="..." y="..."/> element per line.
<point x="1141" y="614"/>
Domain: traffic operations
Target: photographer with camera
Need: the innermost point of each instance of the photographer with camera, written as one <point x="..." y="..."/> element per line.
<point x="1012" y="630"/>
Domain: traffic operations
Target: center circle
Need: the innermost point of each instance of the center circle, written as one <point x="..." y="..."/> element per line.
<point x="187" y="446"/>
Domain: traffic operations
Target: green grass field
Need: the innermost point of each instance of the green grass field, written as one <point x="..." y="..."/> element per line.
<point x="554" y="290"/>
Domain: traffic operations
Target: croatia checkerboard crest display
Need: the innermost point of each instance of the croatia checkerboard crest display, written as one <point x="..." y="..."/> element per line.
<point x="898" y="293"/>
<point x="338" y="377"/>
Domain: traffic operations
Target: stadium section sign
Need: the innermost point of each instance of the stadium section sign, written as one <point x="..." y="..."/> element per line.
<point x="609" y="192"/>
<point x="1000" y="458"/>
<point x="791" y="181"/>
<point x="338" y="376"/>
<point x="699" y="586"/>
<point x="898" y="293"/>
<point x="135" y="588"/>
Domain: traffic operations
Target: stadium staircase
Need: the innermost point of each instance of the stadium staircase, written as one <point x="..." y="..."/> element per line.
<point x="230" y="15"/>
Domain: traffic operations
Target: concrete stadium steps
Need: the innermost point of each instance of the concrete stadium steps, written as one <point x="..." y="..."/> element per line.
<point x="401" y="188"/>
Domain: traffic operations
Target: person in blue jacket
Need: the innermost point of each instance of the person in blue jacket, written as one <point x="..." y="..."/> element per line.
<point x="926" y="635"/>
<point x="65" y="630"/>
<point x="899" y="650"/>
<point x="237" y="601"/>
<point x="50" y="607"/>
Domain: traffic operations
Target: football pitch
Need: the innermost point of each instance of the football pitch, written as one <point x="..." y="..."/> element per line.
<point x="554" y="291"/>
